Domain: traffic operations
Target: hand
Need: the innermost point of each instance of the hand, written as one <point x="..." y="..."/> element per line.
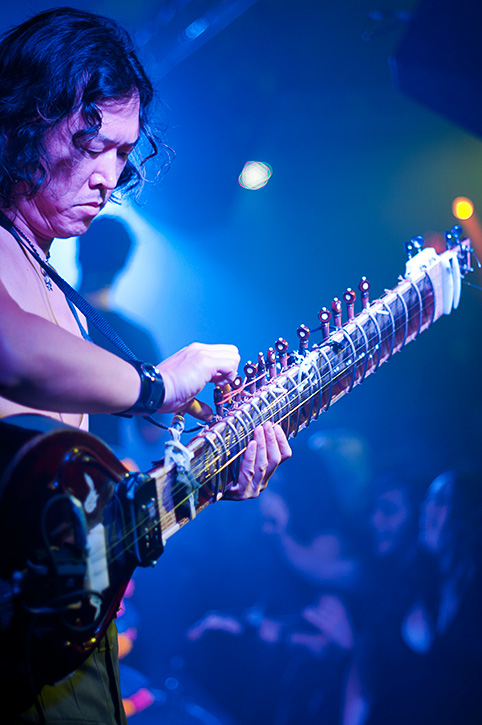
<point x="331" y="618"/>
<point x="214" y="621"/>
<point x="270" y="631"/>
<point x="186" y="373"/>
<point x="315" y="643"/>
<point x="262" y="456"/>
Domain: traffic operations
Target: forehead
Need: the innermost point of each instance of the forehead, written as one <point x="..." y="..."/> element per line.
<point x="120" y="120"/>
<point x="119" y="124"/>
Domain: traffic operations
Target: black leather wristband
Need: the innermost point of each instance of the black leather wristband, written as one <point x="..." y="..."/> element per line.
<point x="152" y="392"/>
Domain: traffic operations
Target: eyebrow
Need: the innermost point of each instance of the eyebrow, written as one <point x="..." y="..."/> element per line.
<point x="106" y="140"/>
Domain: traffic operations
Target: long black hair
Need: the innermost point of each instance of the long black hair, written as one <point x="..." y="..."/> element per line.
<point x="56" y="63"/>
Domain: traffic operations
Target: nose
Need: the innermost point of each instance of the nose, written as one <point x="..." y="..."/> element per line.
<point x="106" y="172"/>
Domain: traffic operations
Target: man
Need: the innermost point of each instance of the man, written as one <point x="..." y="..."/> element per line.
<point x="73" y="107"/>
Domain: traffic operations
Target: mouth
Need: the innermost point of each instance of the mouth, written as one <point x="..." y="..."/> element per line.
<point x="90" y="209"/>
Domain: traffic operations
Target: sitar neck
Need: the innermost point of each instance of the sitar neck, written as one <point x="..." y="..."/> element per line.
<point x="301" y="385"/>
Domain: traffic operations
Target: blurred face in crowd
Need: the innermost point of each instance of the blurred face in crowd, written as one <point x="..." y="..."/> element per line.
<point x="389" y="518"/>
<point x="435" y="512"/>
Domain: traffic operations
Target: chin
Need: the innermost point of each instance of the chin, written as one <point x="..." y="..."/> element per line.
<point x="78" y="228"/>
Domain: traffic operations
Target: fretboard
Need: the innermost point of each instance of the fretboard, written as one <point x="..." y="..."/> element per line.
<point x="310" y="384"/>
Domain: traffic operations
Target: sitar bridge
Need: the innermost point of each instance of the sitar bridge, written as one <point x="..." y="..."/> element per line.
<point x="138" y="496"/>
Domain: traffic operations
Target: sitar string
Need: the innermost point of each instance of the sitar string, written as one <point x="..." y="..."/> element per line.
<point x="269" y="412"/>
<point x="270" y="409"/>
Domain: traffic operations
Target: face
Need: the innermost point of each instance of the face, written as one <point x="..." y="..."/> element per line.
<point x="435" y="512"/>
<point x="81" y="180"/>
<point x="389" y="517"/>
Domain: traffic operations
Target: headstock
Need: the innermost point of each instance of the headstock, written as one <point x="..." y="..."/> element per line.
<point x="445" y="272"/>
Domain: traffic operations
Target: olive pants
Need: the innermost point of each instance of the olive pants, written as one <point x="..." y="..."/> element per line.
<point x="90" y="696"/>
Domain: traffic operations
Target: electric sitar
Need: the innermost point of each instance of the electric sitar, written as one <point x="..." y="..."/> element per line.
<point x="74" y="523"/>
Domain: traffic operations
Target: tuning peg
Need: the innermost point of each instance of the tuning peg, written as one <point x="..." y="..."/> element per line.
<point x="414" y="246"/>
<point x="282" y="349"/>
<point x="336" y="308"/>
<point x="219" y="401"/>
<point x="452" y="238"/>
<point x="449" y="240"/>
<point x="250" y="372"/>
<point x="271" y="362"/>
<point x="350" y="298"/>
<point x="457" y="232"/>
<point x="261" y="370"/>
<point x="324" y="316"/>
<point x="364" y="288"/>
<point x="303" y="333"/>
<point x="236" y="387"/>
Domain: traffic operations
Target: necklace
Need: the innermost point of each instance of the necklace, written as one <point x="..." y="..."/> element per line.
<point x="47" y="280"/>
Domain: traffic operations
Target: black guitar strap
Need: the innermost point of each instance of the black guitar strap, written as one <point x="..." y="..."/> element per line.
<point x="72" y="295"/>
<point x="75" y="300"/>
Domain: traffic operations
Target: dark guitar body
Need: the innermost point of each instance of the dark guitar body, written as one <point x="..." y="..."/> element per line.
<point x="51" y="613"/>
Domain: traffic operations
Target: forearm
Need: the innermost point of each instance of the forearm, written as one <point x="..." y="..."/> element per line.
<point x="296" y="554"/>
<point x="43" y="366"/>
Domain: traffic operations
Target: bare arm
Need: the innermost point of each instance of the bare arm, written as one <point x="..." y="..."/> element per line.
<point x="46" y="367"/>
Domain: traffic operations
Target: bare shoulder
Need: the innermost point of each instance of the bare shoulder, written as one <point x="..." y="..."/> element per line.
<point x="23" y="280"/>
<point x="14" y="270"/>
<point x="8" y="247"/>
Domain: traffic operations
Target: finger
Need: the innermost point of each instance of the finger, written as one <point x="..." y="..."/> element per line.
<point x="263" y="454"/>
<point x="283" y="444"/>
<point x="260" y="461"/>
<point x="242" y="488"/>
<point x="274" y="439"/>
<point x="199" y="410"/>
<point x="225" y="361"/>
<point x="260" y="477"/>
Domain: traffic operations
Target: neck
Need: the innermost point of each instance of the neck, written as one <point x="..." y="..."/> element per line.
<point x="42" y="243"/>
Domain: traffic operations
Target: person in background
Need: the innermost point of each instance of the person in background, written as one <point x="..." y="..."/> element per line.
<point x="443" y="625"/>
<point x="105" y="251"/>
<point x="419" y="660"/>
<point x="295" y="640"/>
<point x="391" y="566"/>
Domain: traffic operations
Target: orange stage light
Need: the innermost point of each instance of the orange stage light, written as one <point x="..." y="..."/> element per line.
<point x="462" y="208"/>
<point x="464" y="211"/>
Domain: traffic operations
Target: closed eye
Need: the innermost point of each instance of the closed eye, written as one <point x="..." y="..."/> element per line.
<point x="91" y="152"/>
